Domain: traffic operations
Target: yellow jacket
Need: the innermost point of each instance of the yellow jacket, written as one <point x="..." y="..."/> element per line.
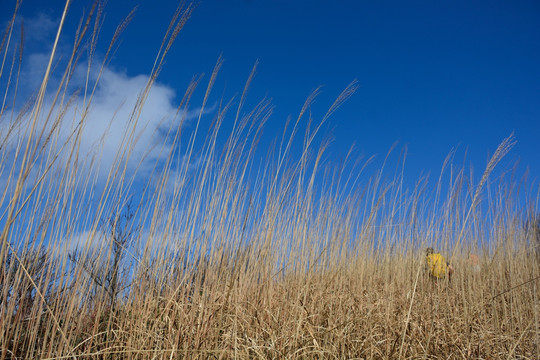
<point x="436" y="265"/>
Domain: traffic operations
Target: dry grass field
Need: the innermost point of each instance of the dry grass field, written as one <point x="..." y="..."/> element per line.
<point x="218" y="256"/>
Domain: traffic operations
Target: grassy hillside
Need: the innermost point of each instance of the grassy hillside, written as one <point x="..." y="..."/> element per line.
<point x="213" y="252"/>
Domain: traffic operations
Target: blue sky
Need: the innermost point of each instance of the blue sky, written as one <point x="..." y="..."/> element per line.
<point x="432" y="75"/>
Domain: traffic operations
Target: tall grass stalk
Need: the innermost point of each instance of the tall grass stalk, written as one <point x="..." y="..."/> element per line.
<point x="222" y="253"/>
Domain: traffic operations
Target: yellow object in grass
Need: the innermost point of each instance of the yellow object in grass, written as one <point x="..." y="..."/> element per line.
<point x="436" y="265"/>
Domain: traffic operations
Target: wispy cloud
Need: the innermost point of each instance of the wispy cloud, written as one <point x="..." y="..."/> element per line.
<point x="40" y="28"/>
<point x="115" y="110"/>
<point x="114" y="113"/>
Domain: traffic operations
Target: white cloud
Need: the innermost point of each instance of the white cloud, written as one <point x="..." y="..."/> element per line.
<point x="113" y="115"/>
<point x="111" y="118"/>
